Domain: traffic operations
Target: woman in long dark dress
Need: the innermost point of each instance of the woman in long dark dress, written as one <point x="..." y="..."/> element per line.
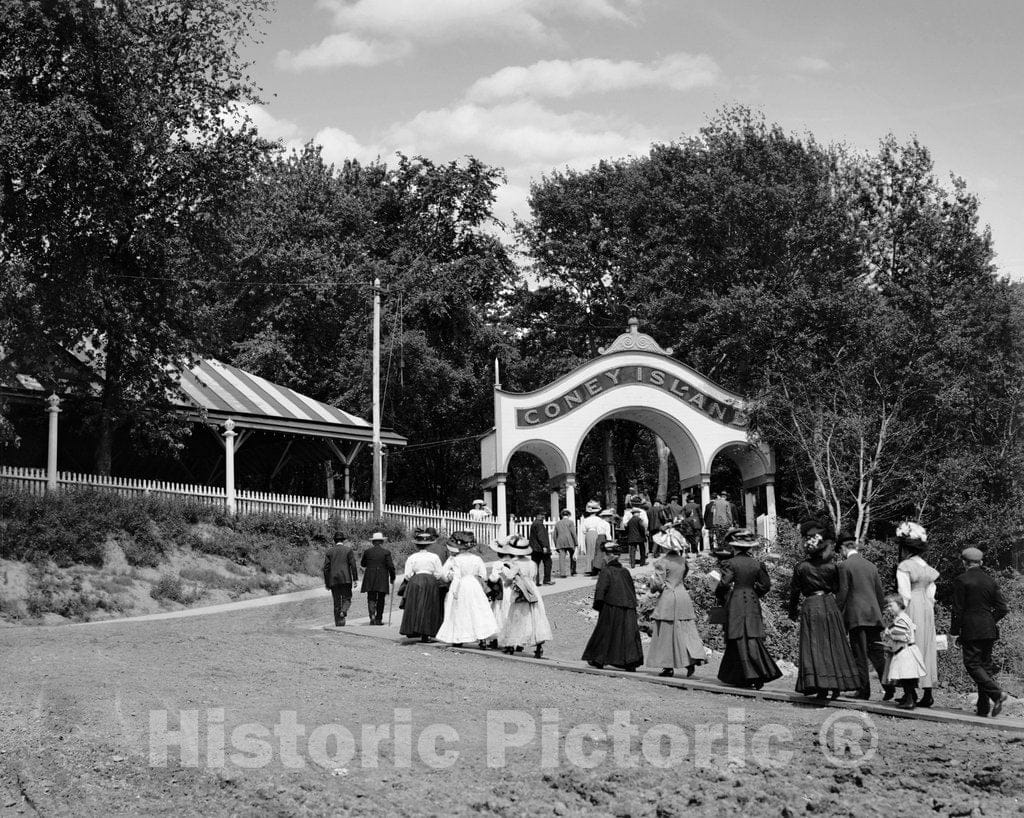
<point x="746" y="661"/>
<point x="826" y="662"/>
<point x="422" y="593"/>
<point x="616" y="637"/>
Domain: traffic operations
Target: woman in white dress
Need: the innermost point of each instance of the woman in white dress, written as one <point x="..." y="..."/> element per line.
<point x="500" y="577"/>
<point x="915" y="580"/>
<point x="467" y="615"/>
<point x="526" y="624"/>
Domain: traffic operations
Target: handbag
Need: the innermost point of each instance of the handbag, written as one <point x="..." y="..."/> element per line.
<point x="941" y="642"/>
<point x="717" y="615"/>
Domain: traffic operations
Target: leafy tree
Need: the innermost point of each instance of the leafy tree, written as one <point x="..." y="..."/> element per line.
<point x="121" y="152"/>
<point x="310" y="239"/>
<point x="854" y="297"/>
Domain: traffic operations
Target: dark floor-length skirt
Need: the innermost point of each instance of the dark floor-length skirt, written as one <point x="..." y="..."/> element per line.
<point x="745" y="662"/>
<point x="423" y="611"/>
<point x="826" y="661"/>
<point x="616" y="639"/>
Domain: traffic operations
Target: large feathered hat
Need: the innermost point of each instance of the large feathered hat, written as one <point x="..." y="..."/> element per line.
<point x="741" y="538"/>
<point x="912" y="536"/>
<point x="461" y="541"/>
<point x="593" y="507"/>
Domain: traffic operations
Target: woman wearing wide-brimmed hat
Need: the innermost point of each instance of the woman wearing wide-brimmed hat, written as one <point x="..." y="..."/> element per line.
<point x="500" y="577"/>
<point x="421" y="590"/>
<point x="616" y="637"/>
<point x="826" y="663"/>
<point x="467" y="615"/>
<point x="592" y="529"/>
<point x="675" y="642"/>
<point x="746" y="661"/>
<point x="526" y="623"/>
<point x="915" y="581"/>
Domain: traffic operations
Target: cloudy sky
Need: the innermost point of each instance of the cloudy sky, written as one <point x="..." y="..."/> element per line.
<point x="532" y="85"/>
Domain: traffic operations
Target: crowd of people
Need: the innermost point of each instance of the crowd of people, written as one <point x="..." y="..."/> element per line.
<point x="847" y="625"/>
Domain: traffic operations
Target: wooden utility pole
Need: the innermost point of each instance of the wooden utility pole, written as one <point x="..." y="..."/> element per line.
<point x="377" y="455"/>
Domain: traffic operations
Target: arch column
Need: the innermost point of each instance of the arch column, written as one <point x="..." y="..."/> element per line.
<point x="502" y="505"/>
<point x="570" y="493"/>
<point x="769" y="492"/>
<point x="750" y="508"/>
<point x="705" y="498"/>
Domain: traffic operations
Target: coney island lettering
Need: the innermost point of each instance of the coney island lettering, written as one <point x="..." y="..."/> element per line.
<point x="622" y="376"/>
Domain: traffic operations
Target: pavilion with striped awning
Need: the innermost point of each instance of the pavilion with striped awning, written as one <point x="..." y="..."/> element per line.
<point x="278" y="426"/>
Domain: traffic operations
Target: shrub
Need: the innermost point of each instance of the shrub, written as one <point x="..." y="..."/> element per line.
<point x="172" y="587"/>
<point x="54" y="591"/>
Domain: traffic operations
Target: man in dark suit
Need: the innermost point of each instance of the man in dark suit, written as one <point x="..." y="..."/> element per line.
<point x="861" y="600"/>
<point x="978" y="605"/>
<point x="378" y="577"/>
<point x="340" y="571"/>
<point x="540" y="546"/>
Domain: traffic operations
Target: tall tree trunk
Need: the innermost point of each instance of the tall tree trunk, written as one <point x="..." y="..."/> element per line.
<point x="611" y="486"/>
<point x="663" y="453"/>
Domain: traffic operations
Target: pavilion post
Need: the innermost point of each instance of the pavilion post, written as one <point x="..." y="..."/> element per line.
<point x="555" y="498"/>
<point x="229" y="466"/>
<point x="53" y="410"/>
<point x="769" y="491"/>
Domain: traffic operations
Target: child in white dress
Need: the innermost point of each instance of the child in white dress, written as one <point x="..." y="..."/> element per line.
<point x="904" y="664"/>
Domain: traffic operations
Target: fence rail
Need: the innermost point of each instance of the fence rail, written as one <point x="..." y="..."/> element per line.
<point x="33" y="481"/>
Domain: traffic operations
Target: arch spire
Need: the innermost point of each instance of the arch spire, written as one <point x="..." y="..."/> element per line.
<point x="632" y="340"/>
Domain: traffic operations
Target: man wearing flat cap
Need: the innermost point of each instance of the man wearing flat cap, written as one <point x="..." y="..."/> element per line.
<point x="978" y="605"/>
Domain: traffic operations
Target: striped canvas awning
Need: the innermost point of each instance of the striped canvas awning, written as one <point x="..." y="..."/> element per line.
<point x="218" y="391"/>
<point x="211" y="391"/>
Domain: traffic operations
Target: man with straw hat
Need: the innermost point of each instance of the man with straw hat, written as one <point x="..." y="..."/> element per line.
<point x="592" y="529"/>
<point x="378" y="576"/>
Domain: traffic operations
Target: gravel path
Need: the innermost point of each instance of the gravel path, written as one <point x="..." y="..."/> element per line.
<point x="78" y="709"/>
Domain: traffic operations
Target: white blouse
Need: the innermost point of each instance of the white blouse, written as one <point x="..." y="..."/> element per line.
<point x="423" y="562"/>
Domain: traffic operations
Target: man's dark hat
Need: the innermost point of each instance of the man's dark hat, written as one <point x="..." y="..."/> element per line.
<point x="845" y="537"/>
<point x="424" y="536"/>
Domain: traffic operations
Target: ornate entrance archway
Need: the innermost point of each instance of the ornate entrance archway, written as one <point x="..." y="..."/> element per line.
<point x="632" y="379"/>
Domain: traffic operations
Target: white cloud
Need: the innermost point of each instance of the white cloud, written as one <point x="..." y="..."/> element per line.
<point x="521" y="131"/>
<point x="338" y="145"/>
<point x="343" y="49"/>
<point x="812" y="65"/>
<point x="443" y="20"/>
<point x="371" y="32"/>
<point x="567" y="78"/>
<point x="270" y="126"/>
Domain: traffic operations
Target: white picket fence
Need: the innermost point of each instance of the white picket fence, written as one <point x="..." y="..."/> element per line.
<point x="33" y="481"/>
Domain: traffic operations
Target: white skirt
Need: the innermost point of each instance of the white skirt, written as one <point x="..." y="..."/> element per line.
<point x="467" y="615"/>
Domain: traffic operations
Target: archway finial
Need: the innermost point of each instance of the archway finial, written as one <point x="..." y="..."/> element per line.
<point x="632" y="340"/>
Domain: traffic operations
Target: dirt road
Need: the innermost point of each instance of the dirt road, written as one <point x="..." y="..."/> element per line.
<point x="292" y="721"/>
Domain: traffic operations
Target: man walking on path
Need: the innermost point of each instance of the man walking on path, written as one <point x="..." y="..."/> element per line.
<point x="978" y="605"/>
<point x="540" y="545"/>
<point x="378" y="577"/>
<point x="861" y="599"/>
<point x="565" y="543"/>
<point x="719" y="517"/>
<point x="692" y="524"/>
<point x="340" y="571"/>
